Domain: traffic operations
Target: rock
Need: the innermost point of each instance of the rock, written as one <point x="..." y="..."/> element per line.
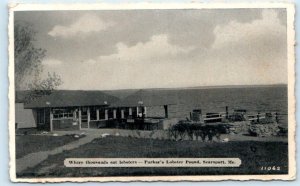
<point x="225" y="140"/>
<point x="105" y="135"/>
<point x="232" y="133"/>
<point x="263" y="130"/>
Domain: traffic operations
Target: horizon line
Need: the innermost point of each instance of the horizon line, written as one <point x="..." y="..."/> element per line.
<point x="162" y="88"/>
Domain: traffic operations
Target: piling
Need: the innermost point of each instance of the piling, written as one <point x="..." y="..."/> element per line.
<point x="227" y="112"/>
<point x="166" y="111"/>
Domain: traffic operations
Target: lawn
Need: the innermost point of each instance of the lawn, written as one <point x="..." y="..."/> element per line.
<point x="253" y="154"/>
<point x="27" y="144"/>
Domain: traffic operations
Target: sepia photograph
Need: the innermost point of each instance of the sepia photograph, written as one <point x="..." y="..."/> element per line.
<point x="147" y="93"/>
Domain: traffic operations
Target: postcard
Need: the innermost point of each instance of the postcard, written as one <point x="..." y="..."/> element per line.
<point x="151" y="92"/>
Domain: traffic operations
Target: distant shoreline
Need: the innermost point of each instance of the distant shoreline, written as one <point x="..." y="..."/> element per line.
<point x="179" y="88"/>
<point x="221" y="86"/>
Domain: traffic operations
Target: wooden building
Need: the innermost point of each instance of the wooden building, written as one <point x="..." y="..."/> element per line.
<point x="76" y="110"/>
<point x="63" y="110"/>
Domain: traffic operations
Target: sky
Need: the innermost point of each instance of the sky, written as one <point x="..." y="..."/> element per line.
<point x="125" y="49"/>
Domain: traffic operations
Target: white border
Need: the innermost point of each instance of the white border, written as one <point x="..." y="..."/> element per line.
<point x="291" y="86"/>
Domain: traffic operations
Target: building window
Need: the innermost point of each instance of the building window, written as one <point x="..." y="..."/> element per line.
<point x="110" y="113"/>
<point x="101" y="114"/>
<point x="126" y="112"/>
<point x="93" y="113"/>
<point x="40" y="116"/>
<point x="62" y="113"/>
<point x="134" y="115"/>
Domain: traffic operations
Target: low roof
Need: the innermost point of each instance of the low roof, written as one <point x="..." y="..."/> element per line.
<point x="21" y="96"/>
<point x="70" y="98"/>
<point x="145" y="98"/>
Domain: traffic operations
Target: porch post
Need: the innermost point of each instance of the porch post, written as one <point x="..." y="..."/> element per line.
<point x="130" y="111"/>
<point x="51" y="120"/>
<point x="137" y="111"/>
<point x="79" y="118"/>
<point x="98" y="116"/>
<point x="166" y="111"/>
<point x="88" y="117"/>
<point x="44" y="116"/>
<point x="106" y="114"/>
<point x="145" y="112"/>
<point x="74" y="115"/>
<point x="122" y="114"/>
<point x="115" y="113"/>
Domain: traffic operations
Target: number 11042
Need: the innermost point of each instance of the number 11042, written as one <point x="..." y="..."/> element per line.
<point x="270" y="168"/>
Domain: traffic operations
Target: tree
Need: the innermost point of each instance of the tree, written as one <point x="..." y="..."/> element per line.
<point x="28" y="62"/>
<point x="43" y="87"/>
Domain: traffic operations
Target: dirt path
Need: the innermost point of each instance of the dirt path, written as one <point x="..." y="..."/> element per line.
<point x="34" y="159"/>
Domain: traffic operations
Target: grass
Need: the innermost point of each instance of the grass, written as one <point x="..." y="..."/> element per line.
<point x="27" y="144"/>
<point x="253" y="154"/>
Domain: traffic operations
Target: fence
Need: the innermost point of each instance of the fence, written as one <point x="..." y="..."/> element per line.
<point x="221" y="116"/>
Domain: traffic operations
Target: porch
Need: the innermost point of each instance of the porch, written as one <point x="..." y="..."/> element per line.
<point x="95" y="117"/>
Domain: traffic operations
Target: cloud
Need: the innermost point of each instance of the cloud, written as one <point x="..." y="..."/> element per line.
<point x="51" y="62"/>
<point x="252" y="52"/>
<point x="150" y="64"/>
<point x="91" y="61"/>
<point x="84" y="25"/>
<point x="156" y="49"/>
<point x="234" y="32"/>
<point x="231" y="52"/>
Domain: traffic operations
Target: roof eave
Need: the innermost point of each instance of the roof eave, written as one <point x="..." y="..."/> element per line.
<point x="60" y="106"/>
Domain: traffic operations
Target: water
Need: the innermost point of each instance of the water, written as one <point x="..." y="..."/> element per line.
<point x="255" y="99"/>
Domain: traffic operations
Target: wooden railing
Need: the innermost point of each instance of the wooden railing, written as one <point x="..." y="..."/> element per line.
<point x="214" y="116"/>
<point x="249" y="117"/>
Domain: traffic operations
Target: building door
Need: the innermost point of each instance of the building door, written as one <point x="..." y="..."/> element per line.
<point x="84" y="118"/>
